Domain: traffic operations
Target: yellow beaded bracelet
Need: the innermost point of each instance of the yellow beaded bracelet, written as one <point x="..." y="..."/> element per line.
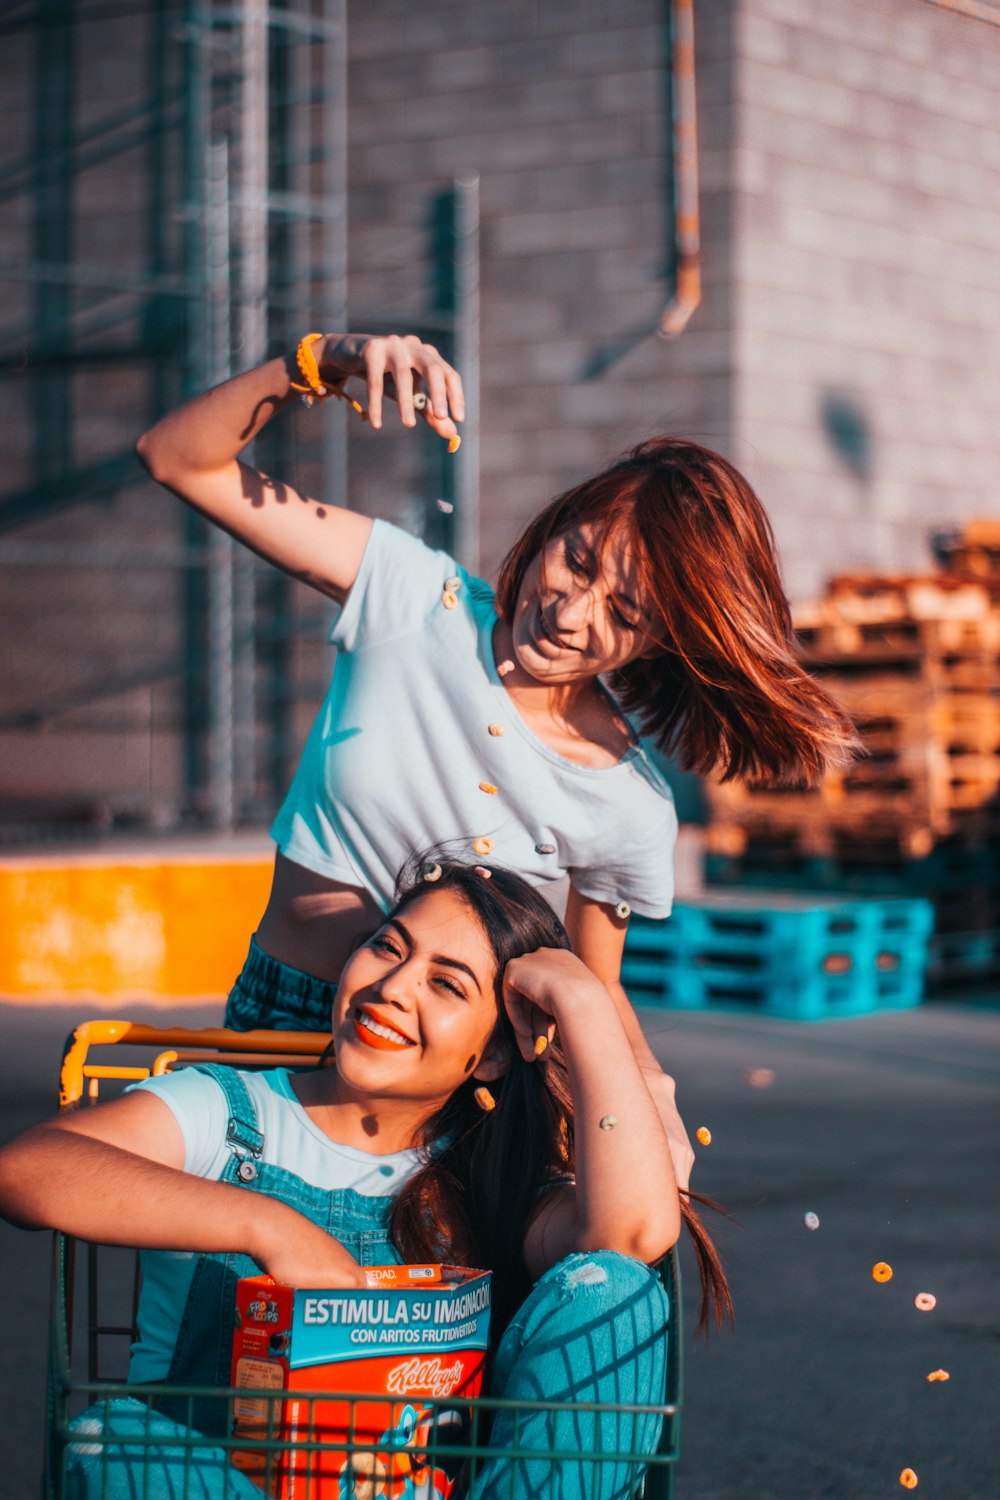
<point x="314" y="388"/>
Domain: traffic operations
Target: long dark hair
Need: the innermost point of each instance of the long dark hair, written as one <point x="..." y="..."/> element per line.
<point x="473" y="1199"/>
<point x="727" y="694"/>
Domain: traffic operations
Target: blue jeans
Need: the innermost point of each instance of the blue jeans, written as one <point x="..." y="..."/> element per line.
<point x="271" y="994"/>
<point x="592" y="1330"/>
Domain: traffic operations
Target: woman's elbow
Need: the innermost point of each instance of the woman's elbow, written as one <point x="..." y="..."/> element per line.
<point x="150" y="453"/>
<point x="162" y="456"/>
<point x="652" y="1243"/>
<point x="648" y="1239"/>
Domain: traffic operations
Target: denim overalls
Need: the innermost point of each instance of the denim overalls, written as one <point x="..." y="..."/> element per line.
<point x="593" y="1329"/>
<point x="203" y="1354"/>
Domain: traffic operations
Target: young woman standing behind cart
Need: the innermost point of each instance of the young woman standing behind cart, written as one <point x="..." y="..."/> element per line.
<point x="484" y="723"/>
<point x="466" y="1140"/>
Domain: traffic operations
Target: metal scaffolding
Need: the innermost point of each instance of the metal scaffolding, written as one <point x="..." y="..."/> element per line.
<point x="234" y="142"/>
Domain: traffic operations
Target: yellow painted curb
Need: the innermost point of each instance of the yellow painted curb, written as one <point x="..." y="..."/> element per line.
<point x="150" y="927"/>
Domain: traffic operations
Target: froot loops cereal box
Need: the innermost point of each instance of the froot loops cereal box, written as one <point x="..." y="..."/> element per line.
<point x="416" y="1332"/>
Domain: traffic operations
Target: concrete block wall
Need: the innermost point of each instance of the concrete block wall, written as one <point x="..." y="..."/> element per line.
<point x="866" y="277"/>
<point x="69" y="631"/>
<point x="66" y="630"/>
<point x="562" y="111"/>
<point x="845" y="352"/>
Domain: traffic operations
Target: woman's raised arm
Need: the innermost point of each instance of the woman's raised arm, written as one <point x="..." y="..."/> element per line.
<point x="194" y="451"/>
<point x="598" y="936"/>
<point x="625" y="1197"/>
<point x="113" y="1174"/>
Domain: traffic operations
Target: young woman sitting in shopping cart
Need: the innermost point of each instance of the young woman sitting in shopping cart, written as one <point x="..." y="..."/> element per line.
<point x="482" y="1105"/>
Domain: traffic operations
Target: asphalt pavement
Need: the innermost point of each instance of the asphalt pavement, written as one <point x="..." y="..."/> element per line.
<point x="885" y="1127"/>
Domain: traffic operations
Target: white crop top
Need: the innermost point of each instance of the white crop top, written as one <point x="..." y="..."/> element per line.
<point x="397" y="757"/>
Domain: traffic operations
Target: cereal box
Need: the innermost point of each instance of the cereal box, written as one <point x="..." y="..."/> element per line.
<point x="415" y="1332"/>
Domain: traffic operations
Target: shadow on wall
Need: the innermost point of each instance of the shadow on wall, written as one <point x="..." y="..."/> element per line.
<point x="849" y="434"/>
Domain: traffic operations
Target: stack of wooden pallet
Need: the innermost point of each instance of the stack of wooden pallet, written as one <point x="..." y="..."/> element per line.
<point x="916" y="661"/>
<point x="972" y="550"/>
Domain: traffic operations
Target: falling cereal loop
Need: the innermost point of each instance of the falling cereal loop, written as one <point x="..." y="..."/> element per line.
<point x="759" y="1078"/>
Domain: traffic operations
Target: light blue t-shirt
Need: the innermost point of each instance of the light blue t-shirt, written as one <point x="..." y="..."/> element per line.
<point x="398" y="755"/>
<point x="291" y="1140"/>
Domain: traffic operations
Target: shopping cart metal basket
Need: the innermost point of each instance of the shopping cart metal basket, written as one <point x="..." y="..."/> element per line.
<point x="93" y="1312"/>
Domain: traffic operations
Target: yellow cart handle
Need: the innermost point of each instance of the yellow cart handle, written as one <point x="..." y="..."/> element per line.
<point x="75" y="1070"/>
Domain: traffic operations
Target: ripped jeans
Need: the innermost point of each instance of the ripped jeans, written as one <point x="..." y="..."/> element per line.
<point x="593" y="1329"/>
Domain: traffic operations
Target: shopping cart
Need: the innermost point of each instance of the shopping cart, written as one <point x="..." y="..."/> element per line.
<point x="93" y="1314"/>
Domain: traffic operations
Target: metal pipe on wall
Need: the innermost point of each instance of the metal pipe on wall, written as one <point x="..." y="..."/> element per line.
<point x="466" y="282"/>
<point x="253" y="117"/>
<point x="218" y="342"/>
<point x="687" y="237"/>
<point x="331" y="273"/>
<point x="251" y="247"/>
<point x="197" y="121"/>
<point x="52" y="232"/>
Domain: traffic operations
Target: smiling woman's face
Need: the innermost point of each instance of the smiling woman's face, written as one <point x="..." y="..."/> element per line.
<point x="581" y="609"/>
<point x="416" y="1006"/>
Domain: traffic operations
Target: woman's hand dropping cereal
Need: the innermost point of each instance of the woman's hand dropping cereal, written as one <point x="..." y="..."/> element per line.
<point x="404" y="368"/>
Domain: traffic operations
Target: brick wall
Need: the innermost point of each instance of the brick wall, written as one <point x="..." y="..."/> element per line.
<point x="562" y="111"/>
<point x="866" y="277"/>
<point x="68" y="630"/>
<point x="845" y="352"/>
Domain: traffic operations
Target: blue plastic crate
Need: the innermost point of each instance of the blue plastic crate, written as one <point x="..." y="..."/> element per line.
<point x="799" y="956"/>
<point x="951" y="865"/>
<point x="787" y="935"/>
<point x="816" y="998"/>
<point x="965" y="956"/>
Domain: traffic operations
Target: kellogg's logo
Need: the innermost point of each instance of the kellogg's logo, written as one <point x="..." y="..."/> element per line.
<point x="426" y="1375"/>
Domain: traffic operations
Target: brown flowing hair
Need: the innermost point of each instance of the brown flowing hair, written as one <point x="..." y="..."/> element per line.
<point x="726" y="693"/>
<point x="473" y="1199"/>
